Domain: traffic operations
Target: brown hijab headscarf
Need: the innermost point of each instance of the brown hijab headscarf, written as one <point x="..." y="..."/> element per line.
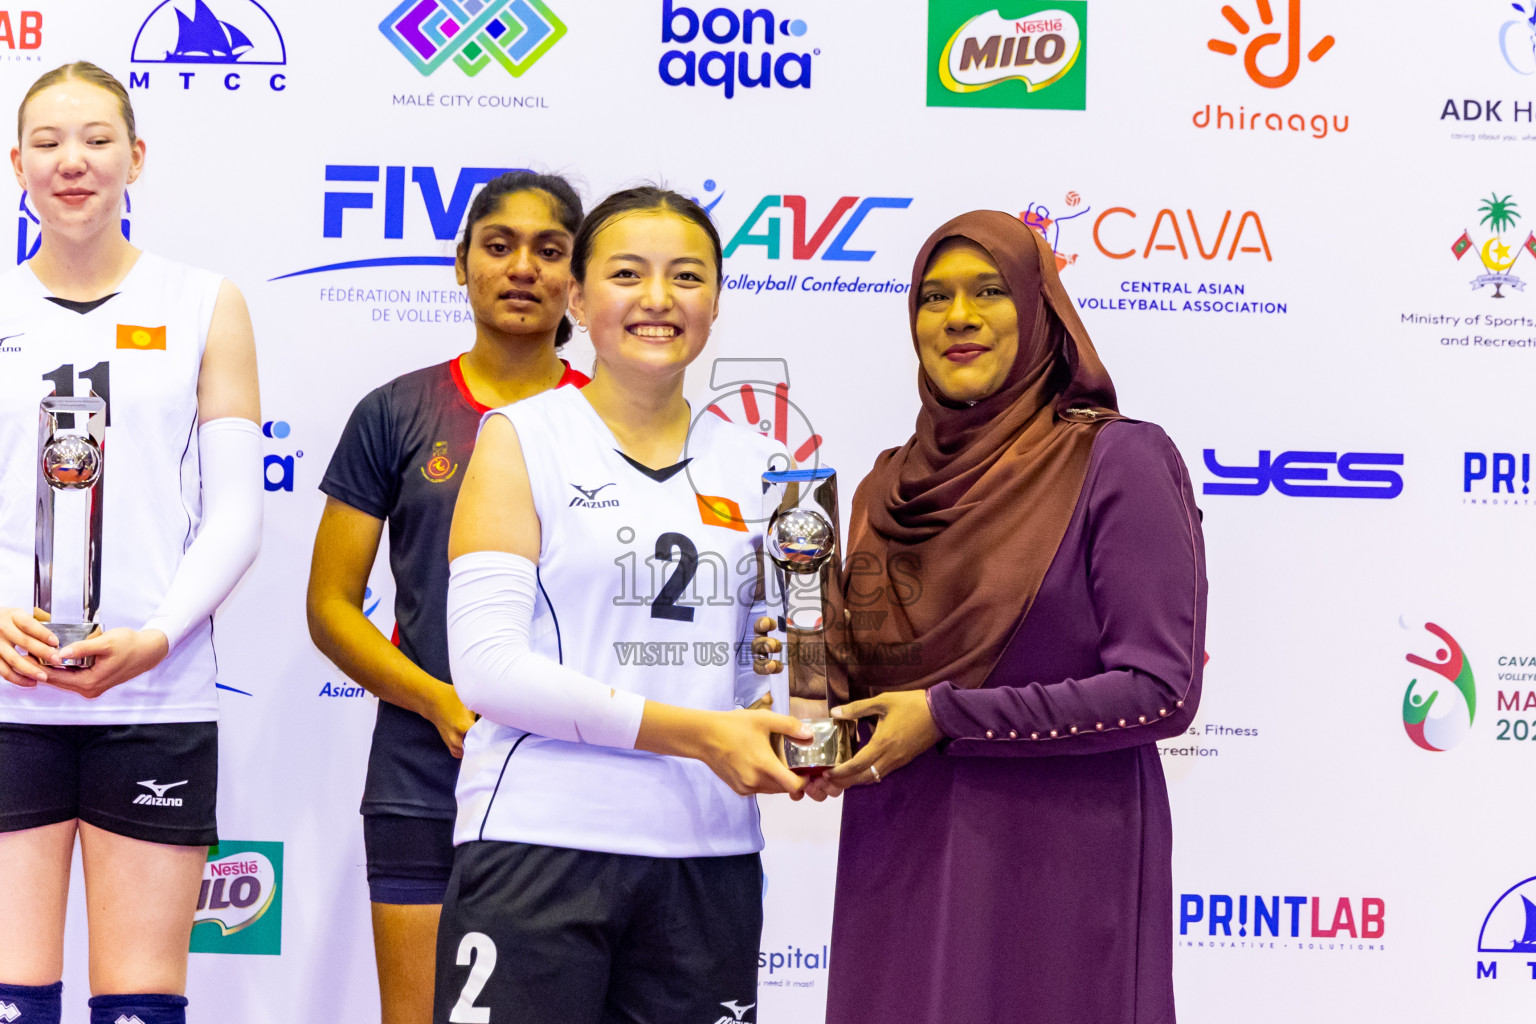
<point x="952" y="533"/>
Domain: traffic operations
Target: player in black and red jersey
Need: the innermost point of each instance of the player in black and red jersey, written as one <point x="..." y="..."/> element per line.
<point x="400" y="459"/>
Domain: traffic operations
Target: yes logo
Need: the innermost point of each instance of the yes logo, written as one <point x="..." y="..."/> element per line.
<point x="240" y="903"/>
<point x="1291" y="36"/>
<point x="1033" y="57"/>
<point x="1442" y="717"/>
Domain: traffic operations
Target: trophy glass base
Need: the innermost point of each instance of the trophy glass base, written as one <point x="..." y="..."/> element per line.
<point x="70" y="633"/>
<point x="831" y="744"/>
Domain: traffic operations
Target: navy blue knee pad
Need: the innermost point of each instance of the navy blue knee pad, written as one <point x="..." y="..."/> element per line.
<point x="31" y="1004"/>
<point x="138" y="1009"/>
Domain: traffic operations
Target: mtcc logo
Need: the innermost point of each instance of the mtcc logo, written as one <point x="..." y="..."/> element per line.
<point x="240" y="33"/>
<point x="473" y="33"/>
<point x="277" y="470"/>
<point x="1439" y="719"/>
<point x="1270" y="35"/>
<point x="723" y="68"/>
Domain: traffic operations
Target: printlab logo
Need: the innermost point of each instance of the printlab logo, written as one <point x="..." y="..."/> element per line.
<point x="240" y="34"/>
<point x="1035" y="57"/>
<point x="1291" y="36"/>
<point x="1517" y="40"/>
<point x="1282" y="922"/>
<point x="1308" y="474"/>
<point x="282" y="479"/>
<point x="240" y="904"/>
<point x="29" y="237"/>
<point x="1039" y="217"/>
<point x="473" y="33"/>
<point x="1499" y="215"/>
<point x="779" y="61"/>
<point x="1492" y="477"/>
<point x="20" y="31"/>
<point x="1442" y="717"/>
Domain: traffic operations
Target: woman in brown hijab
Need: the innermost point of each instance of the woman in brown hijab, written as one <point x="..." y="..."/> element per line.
<point x="1025" y="616"/>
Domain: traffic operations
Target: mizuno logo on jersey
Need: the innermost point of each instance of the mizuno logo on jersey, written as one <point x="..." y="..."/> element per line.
<point x="588" y="498"/>
<point x="8" y="348"/>
<point x="159" y="799"/>
<point x="142" y="339"/>
<point x="737" y="1010"/>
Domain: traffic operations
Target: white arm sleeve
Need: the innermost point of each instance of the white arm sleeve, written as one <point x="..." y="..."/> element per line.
<point x="500" y="676"/>
<point x="226" y="545"/>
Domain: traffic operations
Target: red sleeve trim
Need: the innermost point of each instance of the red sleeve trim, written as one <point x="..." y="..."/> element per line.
<point x="575" y="378"/>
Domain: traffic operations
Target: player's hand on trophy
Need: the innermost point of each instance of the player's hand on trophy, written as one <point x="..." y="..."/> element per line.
<point x="764" y="647"/>
<point x="452" y="719"/>
<point x="25" y="645"/>
<point x="121" y="654"/>
<point x="738" y="747"/>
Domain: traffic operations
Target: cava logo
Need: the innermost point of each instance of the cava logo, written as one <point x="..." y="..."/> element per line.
<point x="1499" y="215"/>
<point x="1033" y="57"/>
<point x="1440" y="707"/>
<point x="240" y="904"/>
<point x="473" y="33"/>
<point x="1039" y="217"/>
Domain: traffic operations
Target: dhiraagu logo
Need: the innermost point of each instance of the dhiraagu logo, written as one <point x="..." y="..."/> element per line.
<point x="240" y="904"/>
<point x="1030" y="56"/>
<point x="1440" y="703"/>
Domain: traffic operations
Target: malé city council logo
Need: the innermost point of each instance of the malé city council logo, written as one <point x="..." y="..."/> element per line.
<point x="1035" y="57"/>
<point x="1498" y="215"/>
<point x="473" y="33"/>
<point x="1441" y="718"/>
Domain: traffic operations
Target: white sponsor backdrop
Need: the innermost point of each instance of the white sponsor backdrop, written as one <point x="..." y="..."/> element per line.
<point x="1300" y="780"/>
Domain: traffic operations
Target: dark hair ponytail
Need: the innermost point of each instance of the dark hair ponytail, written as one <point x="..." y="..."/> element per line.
<point x="640" y="200"/>
<point x="567" y="210"/>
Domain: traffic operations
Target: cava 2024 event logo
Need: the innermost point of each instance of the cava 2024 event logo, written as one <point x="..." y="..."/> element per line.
<point x="1270" y="53"/>
<point x="204" y="45"/>
<point x="240" y="904"/>
<point x="1035" y="57"/>
<point x="1439" y="708"/>
<point x="473" y="34"/>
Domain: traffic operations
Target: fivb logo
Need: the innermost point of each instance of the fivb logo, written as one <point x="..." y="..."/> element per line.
<point x="769" y="214"/>
<point x="723" y="68"/>
<point x="473" y="33"/>
<point x="361" y="193"/>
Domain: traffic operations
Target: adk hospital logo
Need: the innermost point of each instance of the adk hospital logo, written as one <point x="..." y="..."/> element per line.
<point x="240" y="903"/>
<point x="1034" y="56"/>
<point x="208" y="46"/>
<point x="473" y="34"/>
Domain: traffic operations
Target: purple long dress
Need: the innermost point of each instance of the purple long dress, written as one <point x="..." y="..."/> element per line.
<point x="1020" y="873"/>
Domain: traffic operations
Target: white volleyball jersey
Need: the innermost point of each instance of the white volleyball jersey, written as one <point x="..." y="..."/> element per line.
<point x="646" y="583"/>
<point x="140" y="350"/>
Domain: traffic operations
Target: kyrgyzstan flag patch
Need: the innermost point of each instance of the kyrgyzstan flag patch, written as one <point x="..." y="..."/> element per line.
<point x="142" y="339"/>
<point x="721" y="512"/>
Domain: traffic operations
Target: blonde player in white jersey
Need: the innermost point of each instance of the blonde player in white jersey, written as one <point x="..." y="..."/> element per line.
<point x="123" y="754"/>
<point x="606" y="866"/>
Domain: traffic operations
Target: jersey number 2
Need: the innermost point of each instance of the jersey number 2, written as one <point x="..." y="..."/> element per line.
<point x="479" y="949"/>
<point x="665" y="606"/>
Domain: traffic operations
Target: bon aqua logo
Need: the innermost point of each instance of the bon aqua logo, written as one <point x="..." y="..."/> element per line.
<point x="1440" y="718"/>
<point x="1034" y="57"/>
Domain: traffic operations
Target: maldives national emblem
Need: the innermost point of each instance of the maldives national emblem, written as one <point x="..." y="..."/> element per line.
<point x="440" y="468"/>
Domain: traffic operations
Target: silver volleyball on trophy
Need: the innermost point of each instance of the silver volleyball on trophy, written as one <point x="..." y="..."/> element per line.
<point x="70" y="466"/>
<point x="802" y="543"/>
